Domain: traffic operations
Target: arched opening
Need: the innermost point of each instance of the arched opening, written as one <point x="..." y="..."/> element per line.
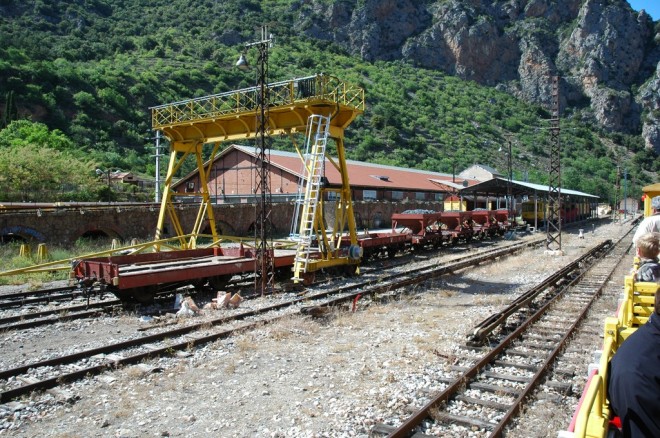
<point x="207" y="229"/>
<point x="95" y="235"/>
<point x="96" y="239"/>
<point x="20" y="234"/>
<point x="12" y="238"/>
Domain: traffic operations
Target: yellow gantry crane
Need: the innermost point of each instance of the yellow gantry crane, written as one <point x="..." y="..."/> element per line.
<point x="231" y="116"/>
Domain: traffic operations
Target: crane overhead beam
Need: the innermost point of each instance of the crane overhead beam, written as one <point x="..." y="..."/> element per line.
<point x="231" y="115"/>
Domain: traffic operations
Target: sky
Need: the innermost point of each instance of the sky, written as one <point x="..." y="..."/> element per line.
<point x="652" y="7"/>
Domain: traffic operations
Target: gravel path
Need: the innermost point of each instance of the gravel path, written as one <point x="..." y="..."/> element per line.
<point x="335" y="376"/>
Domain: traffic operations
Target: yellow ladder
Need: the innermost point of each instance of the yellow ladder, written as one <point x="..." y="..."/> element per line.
<point x="310" y="184"/>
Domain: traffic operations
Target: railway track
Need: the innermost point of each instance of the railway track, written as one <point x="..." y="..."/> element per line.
<point x="23" y="319"/>
<point x="97" y="303"/>
<point x="22" y="298"/>
<point x="68" y="313"/>
<point x="490" y="383"/>
<point x="45" y="374"/>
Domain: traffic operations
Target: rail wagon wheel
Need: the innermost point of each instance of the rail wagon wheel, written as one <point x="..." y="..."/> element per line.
<point x="308" y="278"/>
<point x="219" y="282"/>
<point x="391" y="252"/>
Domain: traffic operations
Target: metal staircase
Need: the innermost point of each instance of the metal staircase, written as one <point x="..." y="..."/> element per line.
<point x="309" y="190"/>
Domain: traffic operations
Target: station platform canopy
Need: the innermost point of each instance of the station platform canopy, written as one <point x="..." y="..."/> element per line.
<point x="499" y="187"/>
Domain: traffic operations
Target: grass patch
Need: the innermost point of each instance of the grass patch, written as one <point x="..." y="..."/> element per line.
<point x="11" y="259"/>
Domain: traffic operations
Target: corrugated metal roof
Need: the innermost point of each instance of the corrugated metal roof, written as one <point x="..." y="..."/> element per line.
<point x="363" y="174"/>
<point x="543" y="188"/>
<point x="499" y="186"/>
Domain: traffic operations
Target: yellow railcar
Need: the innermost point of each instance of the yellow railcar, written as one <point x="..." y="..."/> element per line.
<point x="571" y="211"/>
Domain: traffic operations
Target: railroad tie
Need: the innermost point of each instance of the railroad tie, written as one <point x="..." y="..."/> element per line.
<point x="460" y="419"/>
<point x="507" y="390"/>
<point x="486" y="403"/>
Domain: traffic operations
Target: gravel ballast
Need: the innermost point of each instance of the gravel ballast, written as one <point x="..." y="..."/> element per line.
<point x="335" y="376"/>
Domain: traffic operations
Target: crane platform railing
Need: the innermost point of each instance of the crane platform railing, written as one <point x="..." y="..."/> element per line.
<point x="317" y="88"/>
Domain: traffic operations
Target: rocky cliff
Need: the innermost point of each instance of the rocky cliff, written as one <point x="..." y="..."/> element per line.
<point x="607" y="55"/>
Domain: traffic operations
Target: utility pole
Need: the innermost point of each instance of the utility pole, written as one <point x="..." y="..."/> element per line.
<point x="625" y="193"/>
<point x="509" y="184"/>
<point x="264" y="268"/>
<point x="157" y="155"/>
<point x="509" y="178"/>
<point x="553" y="241"/>
<point x="617" y="189"/>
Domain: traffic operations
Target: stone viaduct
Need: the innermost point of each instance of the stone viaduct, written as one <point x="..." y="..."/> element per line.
<point x="64" y="224"/>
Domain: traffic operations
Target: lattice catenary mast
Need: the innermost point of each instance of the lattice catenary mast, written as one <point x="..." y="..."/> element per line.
<point x="554" y="185"/>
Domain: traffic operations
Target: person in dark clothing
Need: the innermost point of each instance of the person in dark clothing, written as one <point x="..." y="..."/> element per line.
<point x="634" y="380"/>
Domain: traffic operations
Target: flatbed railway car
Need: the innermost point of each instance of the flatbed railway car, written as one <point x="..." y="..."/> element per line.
<point x="136" y="277"/>
<point x="380" y="244"/>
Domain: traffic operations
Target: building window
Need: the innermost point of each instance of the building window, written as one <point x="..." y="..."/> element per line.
<point x="420" y="196"/>
<point x="333" y="196"/>
<point x="369" y="195"/>
<point x="190" y="187"/>
<point x="438" y="196"/>
<point x="397" y="195"/>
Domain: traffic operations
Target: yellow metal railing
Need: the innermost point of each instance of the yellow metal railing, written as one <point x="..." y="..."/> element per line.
<point x="308" y="89"/>
<point x="593" y="401"/>
<point x="592" y="416"/>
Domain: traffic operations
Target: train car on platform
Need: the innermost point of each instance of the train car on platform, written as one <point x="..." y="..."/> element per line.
<point x="536" y="213"/>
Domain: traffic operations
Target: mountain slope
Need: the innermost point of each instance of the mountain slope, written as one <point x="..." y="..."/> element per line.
<point x="93" y="68"/>
<point x="607" y="55"/>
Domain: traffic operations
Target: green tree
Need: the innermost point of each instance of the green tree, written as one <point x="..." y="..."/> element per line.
<point x="37" y="164"/>
<point x="34" y="173"/>
<point x="11" y="110"/>
<point x="25" y="132"/>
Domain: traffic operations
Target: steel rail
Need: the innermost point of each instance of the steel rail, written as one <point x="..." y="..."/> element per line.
<point x="347" y="293"/>
<point x="536" y="379"/>
<point x="490" y="324"/>
<point x="60" y="315"/>
<point x="15" y="299"/>
<point x="407" y="428"/>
